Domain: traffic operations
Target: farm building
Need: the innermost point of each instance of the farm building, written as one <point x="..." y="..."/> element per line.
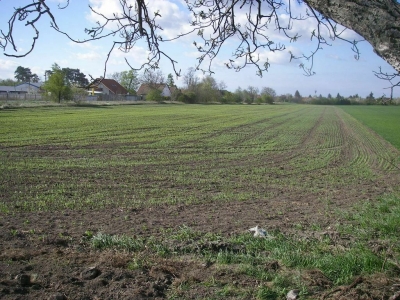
<point x="23" y="88"/>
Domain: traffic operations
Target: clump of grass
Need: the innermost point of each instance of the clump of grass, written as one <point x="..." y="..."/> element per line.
<point x="265" y="292"/>
<point x="380" y="217"/>
<point x="376" y="224"/>
<point x="106" y="241"/>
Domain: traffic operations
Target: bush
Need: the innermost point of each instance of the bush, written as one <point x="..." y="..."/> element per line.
<point x="187" y="97"/>
<point x="154" y="95"/>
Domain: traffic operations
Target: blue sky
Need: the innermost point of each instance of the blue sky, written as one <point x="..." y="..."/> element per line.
<point x="336" y="69"/>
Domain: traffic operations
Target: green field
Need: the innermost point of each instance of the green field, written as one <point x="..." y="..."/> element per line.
<point x="384" y="120"/>
<point x="179" y="185"/>
<point x="55" y="158"/>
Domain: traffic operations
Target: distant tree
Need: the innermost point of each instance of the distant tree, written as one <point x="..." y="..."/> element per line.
<point x="355" y="96"/>
<point x="329" y="96"/>
<point x="339" y="97"/>
<point x="57" y="85"/>
<point x="8" y="82"/>
<point x="268" y="91"/>
<point x="34" y="78"/>
<point x="370" y="99"/>
<point x="297" y="97"/>
<point x="267" y="98"/>
<point x="47" y="74"/>
<point x="371" y="96"/>
<point x="116" y="76"/>
<point x="259" y="100"/>
<point x="170" y="80"/>
<point x="208" y="90"/>
<point x="72" y="76"/>
<point x="228" y="98"/>
<point x="190" y="79"/>
<point x="246" y="98"/>
<point x="152" y="78"/>
<point x="252" y="94"/>
<point x="22" y="74"/>
<point x="25" y="75"/>
<point x="175" y="93"/>
<point x="75" y="77"/>
<point x="222" y="86"/>
<point x="239" y="96"/>
<point x="285" y="98"/>
<point x="282" y="98"/>
<point x="130" y="81"/>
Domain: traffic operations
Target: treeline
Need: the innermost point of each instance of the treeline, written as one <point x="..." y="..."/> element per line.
<point x="351" y="100"/>
<point x="209" y="90"/>
<point x="24" y="74"/>
<point x="70" y="84"/>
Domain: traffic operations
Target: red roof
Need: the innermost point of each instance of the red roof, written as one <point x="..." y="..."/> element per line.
<point x="112" y="85"/>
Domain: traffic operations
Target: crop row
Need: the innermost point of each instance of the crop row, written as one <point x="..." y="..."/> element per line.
<point x="80" y="158"/>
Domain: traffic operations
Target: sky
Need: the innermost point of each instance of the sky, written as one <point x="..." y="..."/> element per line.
<point x="337" y="71"/>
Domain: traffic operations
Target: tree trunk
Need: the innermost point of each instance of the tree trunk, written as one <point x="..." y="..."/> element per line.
<point x="377" y="21"/>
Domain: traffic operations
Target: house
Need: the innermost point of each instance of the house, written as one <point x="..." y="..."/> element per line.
<point x="22" y="88"/>
<point x="145" y="88"/>
<point x="106" y="87"/>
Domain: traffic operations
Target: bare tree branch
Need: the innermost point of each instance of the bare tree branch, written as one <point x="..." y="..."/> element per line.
<point x="251" y="24"/>
<point x="36" y="9"/>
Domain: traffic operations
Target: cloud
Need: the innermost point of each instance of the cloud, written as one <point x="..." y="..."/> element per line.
<point x="281" y="57"/>
<point x="173" y="19"/>
<point x="7" y="64"/>
<point x="136" y="57"/>
<point x="87" y="45"/>
<point x="106" y="8"/>
<point x="7" y="68"/>
<point x="334" y="57"/>
<point x="91" y="55"/>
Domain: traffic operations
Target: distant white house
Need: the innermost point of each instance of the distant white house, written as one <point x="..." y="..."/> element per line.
<point x="23" y="88"/>
<point x="144" y="89"/>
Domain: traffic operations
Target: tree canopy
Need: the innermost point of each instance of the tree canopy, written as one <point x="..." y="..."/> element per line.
<point x="248" y="24"/>
<point x="25" y="75"/>
<point x="72" y="76"/>
<point x="8" y="82"/>
<point x="128" y="79"/>
<point x="57" y="84"/>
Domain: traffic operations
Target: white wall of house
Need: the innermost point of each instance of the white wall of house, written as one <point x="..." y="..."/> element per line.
<point x="166" y="92"/>
<point x="106" y="91"/>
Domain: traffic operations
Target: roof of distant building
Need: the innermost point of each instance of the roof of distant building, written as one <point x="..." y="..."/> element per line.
<point x="111" y="84"/>
<point x="145" y="88"/>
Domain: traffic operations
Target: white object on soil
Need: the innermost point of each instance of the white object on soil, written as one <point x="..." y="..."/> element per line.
<point x="258" y="231"/>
